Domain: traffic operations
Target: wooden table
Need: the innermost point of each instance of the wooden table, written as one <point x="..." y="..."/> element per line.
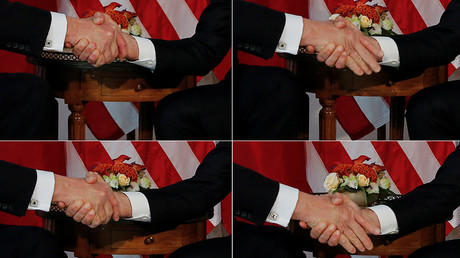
<point x="382" y="245"/>
<point x="78" y="82"/>
<point x="329" y="83"/>
<point x="122" y="237"/>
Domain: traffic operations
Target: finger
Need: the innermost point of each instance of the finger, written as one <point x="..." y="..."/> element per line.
<point x="88" y="217"/>
<point x="353" y="239"/>
<point x="337" y="199"/>
<point x="374" y="49"/>
<point x="96" y="222"/>
<point x="354" y="67"/>
<point x="98" y="18"/>
<point x="340" y="22"/>
<point x="324" y="237"/>
<point x="108" y="213"/>
<point x="91" y="178"/>
<point x="82" y="212"/>
<point x="342" y="61"/>
<point x="303" y="225"/>
<point x="345" y="243"/>
<point x="310" y="49"/>
<point x="368" y="60"/>
<point x="94" y="56"/>
<point x="85" y="54"/>
<point x="362" y="236"/>
<point x="67" y="44"/>
<point x="115" y="206"/>
<point x="61" y="205"/>
<point x="334" y="239"/>
<point x="81" y="45"/>
<point x="99" y="62"/>
<point x="332" y="59"/>
<point x="122" y="46"/>
<point x="367" y="225"/>
<point x="325" y="52"/>
<point x="361" y="63"/>
<point x="318" y="230"/>
<point x="74" y="207"/>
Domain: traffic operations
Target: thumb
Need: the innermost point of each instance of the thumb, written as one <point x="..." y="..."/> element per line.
<point x="337" y="199"/>
<point x="98" y="18"/>
<point x="91" y="178"/>
<point x="340" y="22"/>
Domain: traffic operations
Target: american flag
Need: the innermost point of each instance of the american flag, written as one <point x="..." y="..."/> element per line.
<point x="305" y="165"/>
<point x="371" y="112"/>
<point x="166" y="162"/>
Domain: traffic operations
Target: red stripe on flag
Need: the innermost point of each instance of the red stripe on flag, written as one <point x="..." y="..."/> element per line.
<point x="332" y="5"/>
<point x="406" y="16"/>
<point x="201" y="149"/>
<point x="197" y="7"/>
<point x="100" y="122"/>
<point x="449" y="228"/>
<point x="91" y="153"/>
<point x="84" y="7"/>
<point x="155" y="159"/>
<point x="283" y="162"/>
<point x="441" y="150"/>
<point x="221" y="70"/>
<point x="227" y="217"/>
<point x="154" y="20"/>
<point x="398" y="166"/>
<point x="331" y="153"/>
<point x="445" y="3"/>
<point x="352" y="118"/>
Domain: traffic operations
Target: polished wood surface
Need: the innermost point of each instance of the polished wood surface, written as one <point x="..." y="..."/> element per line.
<point x="78" y="82"/>
<point x="329" y="83"/>
<point x="122" y="237"/>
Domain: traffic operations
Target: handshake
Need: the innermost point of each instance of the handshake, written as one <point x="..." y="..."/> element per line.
<point x="336" y="219"/>
<point x="99" y="40"/>
<point x="91" y="200"/>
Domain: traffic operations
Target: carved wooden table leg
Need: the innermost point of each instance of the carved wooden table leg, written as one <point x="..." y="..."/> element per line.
<point x="327" y="119"/>
<point x="82" y="242"/>
<point x="76" y="122"/>
<point x="397" y="107"/>
<point x="146" y="120"/>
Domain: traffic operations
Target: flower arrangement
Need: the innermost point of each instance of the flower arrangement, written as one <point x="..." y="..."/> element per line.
<point x="371" y="20"/>
<point x="126" y="20"/>
<point x="123" y="176"/>
<point x="368" y="178"/>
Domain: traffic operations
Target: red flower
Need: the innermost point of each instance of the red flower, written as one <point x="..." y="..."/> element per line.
<point x="366" y="170"/>
<point x="102" y="169"/>
<point x="368" y="11"/>
<point x="345" y="10"/>
<point x="361" y="159"/>
<point x="126" y="169"/>
<point x="342" y="169"/>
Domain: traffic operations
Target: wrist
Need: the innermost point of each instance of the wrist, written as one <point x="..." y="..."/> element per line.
<point x="307" y="32"/>
<point x="133" y="48"/>
<point x="61" y="189"/>
<point x="301" y="208"/>
<point x="126" y="211"/>
<point x="371" y="217"/>
<point x="72" y="28"/>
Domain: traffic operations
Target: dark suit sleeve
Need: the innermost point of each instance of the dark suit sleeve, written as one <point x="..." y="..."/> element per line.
<point x="433" y="46"/>
<point x="253" y="195"/>
<point x="203" y="51"/>
<point x="15" y="194"/>
<point x="432" y="202"/>
<point x="194" y="197"/>
<point x="24" y="28"/>
<point x="257" y="29"/>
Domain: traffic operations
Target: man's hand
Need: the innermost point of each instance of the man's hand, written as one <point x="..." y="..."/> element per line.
<point x="102" y="35"/>
<point x="96" y="200"/>
<point x="316" y="209"/>
<point x="317" y="34"/>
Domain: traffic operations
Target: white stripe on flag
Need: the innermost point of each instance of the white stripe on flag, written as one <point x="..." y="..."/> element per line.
<point x="116" y="148"/>
<point x="125" y="115"/>
<point x="181" y="17"/>
<point x="217" y="218"/>
<point x="455" y="221"/>
<point x="182" y="157"/>
<point x="316" y="171"/>
<point x="74" y="165"/>
<point x="375" y="109"/>
<point x="422" y="159"/>
<point x="66" y="7"/>
<point x="456" y="62"/>
<point x="356" y="149"/>
<point x="430" y="11"/>
<point x="318" y="11"/>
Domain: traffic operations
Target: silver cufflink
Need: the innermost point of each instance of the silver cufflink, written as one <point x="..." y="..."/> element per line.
<point x="273" y="216"/>
<point x="48" y="43"/>
<point x="282" y="45"/>
<point x="33" y="203"/>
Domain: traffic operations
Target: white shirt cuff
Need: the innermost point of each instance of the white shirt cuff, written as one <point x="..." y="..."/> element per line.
<point x="284" y="206"/>
<point x="387" y="218"/>
<point x="147" y="54"/>
<point x="43" y="191"/>
<point x="56" y="34"/>
<point x="390" y="50"/>
<point x="140" y="206"/>
<point x="292" y="33"/>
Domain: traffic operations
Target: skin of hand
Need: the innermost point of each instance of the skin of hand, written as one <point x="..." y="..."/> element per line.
<point x="316" y="209"/>
<point x="317" y="34"/>
<point x="94" y="198"/>
<point x="328" y="233"/>
<point x="100" y="33"/>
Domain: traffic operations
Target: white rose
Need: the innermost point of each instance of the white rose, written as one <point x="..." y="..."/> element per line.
<point x="144" y="182"/>
<point x="365" y="21"/>
<point x="332" y="17"/>
<point x="135" y="29"/>
<point x="113" y="181"/>
<point x="123" y="180"/>
<point x="355" y="20"/>
<point x="353" y="182"/>
<point x="134" y="187"/>
<point x="386" y="24"/>
<point x="373" y="188"/>
<point x="331" y="182"/>
<point x="384" y="182"/>
<point x="376" y="29"/>
<point x="363" y="180"/>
